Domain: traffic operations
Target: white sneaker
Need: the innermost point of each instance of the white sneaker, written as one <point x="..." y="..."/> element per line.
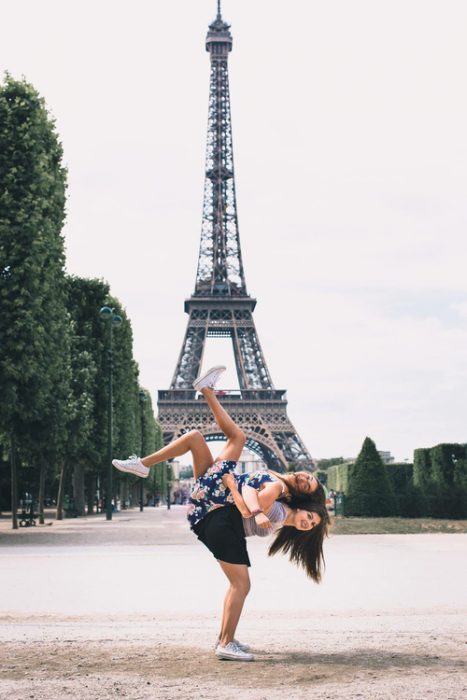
<point x="243" y="647"/>
<point x="209" y="378"/>
<point x="133" y="465"/>
<point x="232" y="652"/>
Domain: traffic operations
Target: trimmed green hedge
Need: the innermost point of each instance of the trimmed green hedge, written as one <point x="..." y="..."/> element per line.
<point x="367" y="505"/>
<point x="338" y="477"/>
<point x="434" y="486"/>
<point x="400" y="475"/>
<point x="440" y="478"/>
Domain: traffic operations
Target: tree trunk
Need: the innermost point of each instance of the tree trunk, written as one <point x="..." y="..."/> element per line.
<point x="78" y="487"/>
<point x="14" y="484"/>
<point x="123" y="494"/>
<point x="61" y="490"/>
<point x="42" y="492"/>
<point x="91" y="491"/>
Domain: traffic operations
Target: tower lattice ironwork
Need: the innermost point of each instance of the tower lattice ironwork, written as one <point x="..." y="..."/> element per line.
<point x="221" y="306"/>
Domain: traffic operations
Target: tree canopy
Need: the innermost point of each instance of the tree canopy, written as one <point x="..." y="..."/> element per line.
<point x="54" y="344"/>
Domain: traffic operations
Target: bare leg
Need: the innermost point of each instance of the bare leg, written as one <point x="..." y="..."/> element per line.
<point x="192" y="442"/>
<point x="233" y="603"/>
<point x="235" y="436"/>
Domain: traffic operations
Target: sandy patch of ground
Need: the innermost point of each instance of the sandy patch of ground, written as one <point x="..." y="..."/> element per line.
<point x="110" y="669"/>
<point x="356" y="657"/>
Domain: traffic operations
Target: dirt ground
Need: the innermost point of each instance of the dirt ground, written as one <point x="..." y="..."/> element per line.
<point x="380" y="661"/>
<point x="130" y="609"/>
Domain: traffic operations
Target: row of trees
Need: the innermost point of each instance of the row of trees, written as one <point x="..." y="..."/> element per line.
<point x="53" y="364"/>
<point x="434" y="486"/>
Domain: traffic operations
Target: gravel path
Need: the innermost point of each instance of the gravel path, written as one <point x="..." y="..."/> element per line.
<point x="130" y="609"/>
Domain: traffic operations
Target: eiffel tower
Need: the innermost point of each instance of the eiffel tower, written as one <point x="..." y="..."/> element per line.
<point x="221" y="306"/>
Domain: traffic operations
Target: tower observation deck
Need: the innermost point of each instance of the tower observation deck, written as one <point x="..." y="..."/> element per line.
<point x="220" y="305"/>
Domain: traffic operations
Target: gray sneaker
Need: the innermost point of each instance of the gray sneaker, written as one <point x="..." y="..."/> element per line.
<point x="232" y="652"/>
<point x="209" y="378"/>
<point x="132" y="465"/>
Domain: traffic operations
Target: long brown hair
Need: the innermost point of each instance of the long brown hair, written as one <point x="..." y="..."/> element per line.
<point x="298" y="497"/>
<point x="305" y="548"/>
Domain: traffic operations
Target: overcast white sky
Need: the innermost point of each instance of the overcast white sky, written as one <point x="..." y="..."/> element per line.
<point x="349" y="126"/>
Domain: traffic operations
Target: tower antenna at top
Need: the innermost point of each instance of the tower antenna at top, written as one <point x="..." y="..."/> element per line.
<point x="220" y="306"/>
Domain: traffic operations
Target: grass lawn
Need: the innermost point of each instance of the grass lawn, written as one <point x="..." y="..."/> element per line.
<point x="381" y="526"/>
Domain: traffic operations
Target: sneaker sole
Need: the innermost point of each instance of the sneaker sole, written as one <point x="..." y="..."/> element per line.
<point x="203" y="376"/>
<point x="130" y="471"/>
<point x="226" y="657"/>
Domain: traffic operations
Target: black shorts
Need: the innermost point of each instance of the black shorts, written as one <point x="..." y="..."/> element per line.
<point x="223" y="534"/>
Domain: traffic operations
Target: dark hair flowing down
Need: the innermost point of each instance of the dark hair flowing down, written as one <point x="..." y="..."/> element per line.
<point x="305" y="548"/>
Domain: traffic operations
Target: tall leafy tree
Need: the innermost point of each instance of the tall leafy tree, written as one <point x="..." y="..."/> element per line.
<point x="151" y="436"/>
<point x="152" y="441"/>
<point x="127" y="426"/>
<point x="86" y="459"/>
<point x="126" y="402"/>
<point x="87" y="444"/>
<point x="149" y="443"/>
<point x="86" y="427"/>
<point x="34" y="340"/>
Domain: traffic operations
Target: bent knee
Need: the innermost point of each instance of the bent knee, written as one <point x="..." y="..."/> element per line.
<point x="240" y="437"/>
<point x="196" y="435"/>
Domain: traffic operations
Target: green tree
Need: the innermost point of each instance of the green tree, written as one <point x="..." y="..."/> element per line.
<point x="84" y="297"/>
<point x="87" y="454"/>
<point x="86" y="460"/>
<point x="369" y="491"/>
<point x="34" y="339"/>
<point x="158" y="476"/>
<point x="151" y="437"/>
<point x="127" y="426"/>
<point x="146" y="424"/>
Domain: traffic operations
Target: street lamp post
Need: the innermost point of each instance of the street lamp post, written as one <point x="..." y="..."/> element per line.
<point x="169" y="484"/>
<point x="142" y="400"/>
<point x="109" y="316"/>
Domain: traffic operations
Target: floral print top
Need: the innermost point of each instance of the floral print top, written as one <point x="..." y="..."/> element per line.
<point x="254" y="479"/>
<point x="209" y="492"/>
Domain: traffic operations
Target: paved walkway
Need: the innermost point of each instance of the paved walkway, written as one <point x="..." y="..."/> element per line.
<point x="130" y="608"/>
